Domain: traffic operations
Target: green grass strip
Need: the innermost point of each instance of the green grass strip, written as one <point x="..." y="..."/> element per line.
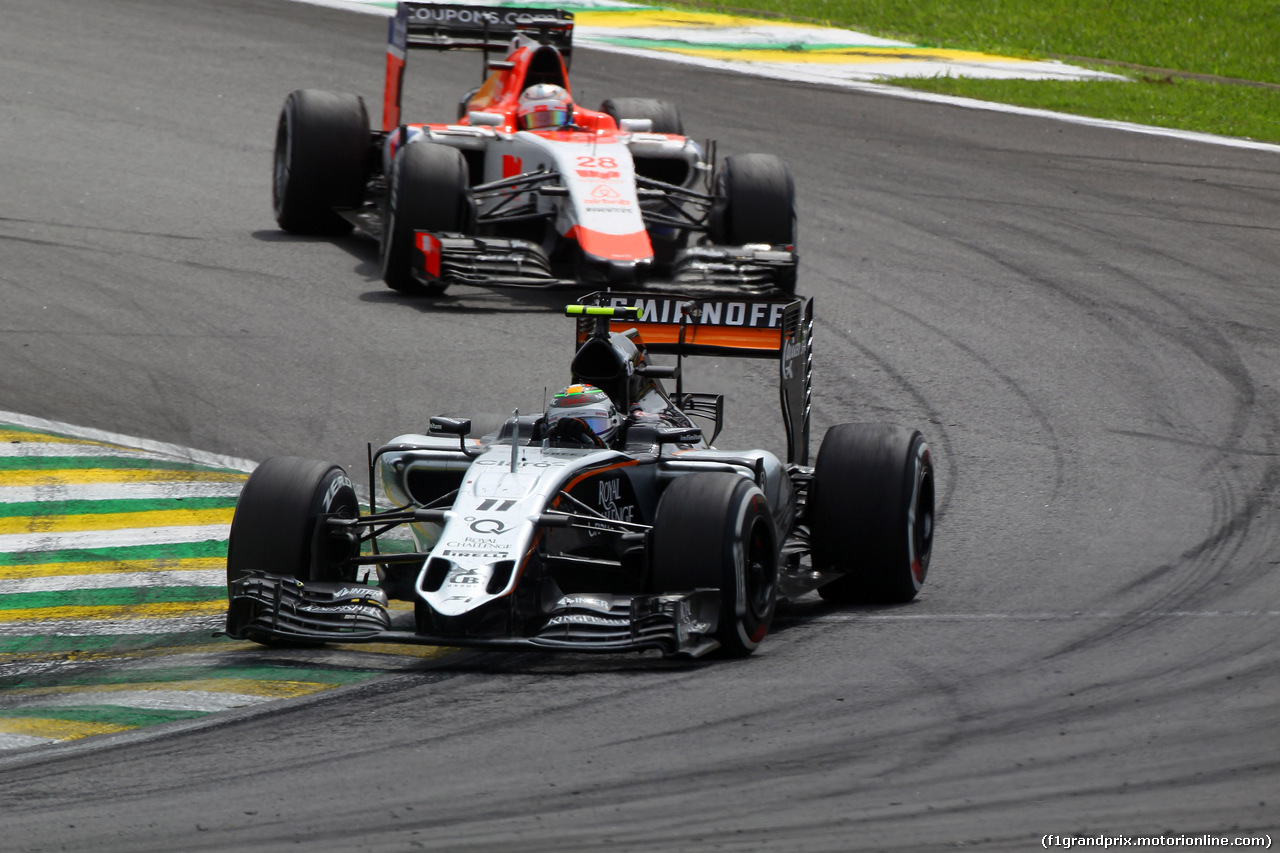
<point x="1230" y="38"/>
<point x="1236" y="39"/>
<point x="118" y="715"/>
<point x="128" y="553"/>
<point x="1162" y="102"/>
<point x="176" y="675"/>
<point x="111" y="597"/>
<point x="51" y="463"/>
<point x="37" y="509"/>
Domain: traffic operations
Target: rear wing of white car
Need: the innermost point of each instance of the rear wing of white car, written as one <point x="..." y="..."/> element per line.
<point x="446" y="26"/>
<point x="736" y="326"/>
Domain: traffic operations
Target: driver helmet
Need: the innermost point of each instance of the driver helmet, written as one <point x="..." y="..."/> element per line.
<point x="588" y="404"/>
<point x="542" y="106"/>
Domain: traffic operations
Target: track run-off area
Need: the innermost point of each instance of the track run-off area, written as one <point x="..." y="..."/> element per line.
<point x="768" y="47"/>
<point x="113" y="589"/>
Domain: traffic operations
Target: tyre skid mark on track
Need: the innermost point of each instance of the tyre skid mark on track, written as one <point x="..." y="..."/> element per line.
<point x="944" y="457"/>
<point x="934" y="413"/>
<point x="1197" y="332"/>
<point x="1194" y="329"/>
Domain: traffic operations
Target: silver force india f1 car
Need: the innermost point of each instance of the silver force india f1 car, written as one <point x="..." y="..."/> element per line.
<point x="527" y="188"/>
<point x="609" y="522"/>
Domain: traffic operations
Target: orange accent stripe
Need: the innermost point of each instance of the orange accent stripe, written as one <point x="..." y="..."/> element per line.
<point x="585" y="474"/>
<point x="613" y="247"/>
<point x="733" y="337"/>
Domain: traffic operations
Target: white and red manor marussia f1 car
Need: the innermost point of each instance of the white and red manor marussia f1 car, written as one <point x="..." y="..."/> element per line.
<point x="527" y="188"/>
<point x="607" y="523"/>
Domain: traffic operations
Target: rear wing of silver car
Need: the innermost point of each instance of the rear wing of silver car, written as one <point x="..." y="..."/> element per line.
<point x="736" y="326"/>
<point x="446" y="26"/>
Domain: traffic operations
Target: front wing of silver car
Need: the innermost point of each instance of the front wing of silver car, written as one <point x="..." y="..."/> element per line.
<point x="272" y="607"/>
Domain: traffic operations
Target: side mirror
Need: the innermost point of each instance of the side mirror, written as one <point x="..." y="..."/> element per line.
<point x="659" y="371"/>
<point x="478" y="118"/>
<point x="679" y="435"/>
<point x="636" y="125"/>
<point x="441" y="425"/>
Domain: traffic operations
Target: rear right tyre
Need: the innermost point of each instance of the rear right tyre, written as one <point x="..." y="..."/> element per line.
<point x="870" y="513"/>
<point x="755" y="203"/>
<point x="663" y="115"/>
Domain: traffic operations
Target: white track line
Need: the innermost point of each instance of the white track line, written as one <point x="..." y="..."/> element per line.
<point x="864" y="616"/>
<point x="805" y="74"/>
<point x="8" y="741"/>
<point x="22" y="542"/>
<point x="161" y="490"/>
<point x="151" y="700"/>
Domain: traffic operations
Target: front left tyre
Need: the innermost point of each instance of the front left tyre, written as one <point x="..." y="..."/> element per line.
<point x="322" y="142"/>
<point x="278" y="523"/>
<point x="714" y="530"/>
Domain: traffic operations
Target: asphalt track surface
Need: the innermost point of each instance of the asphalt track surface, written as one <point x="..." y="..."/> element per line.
<point x="1084" y="322"/>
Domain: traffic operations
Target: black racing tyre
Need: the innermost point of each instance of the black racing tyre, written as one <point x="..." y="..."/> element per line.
<point x="664" y="115"/>
<point x="276" y="528"/>
<point x="870" y="513"/>
<point x="714" y="530"/>
<point x="755" y="203"/>
<point x="322" y="141"/>
<point x="428" y="190"/>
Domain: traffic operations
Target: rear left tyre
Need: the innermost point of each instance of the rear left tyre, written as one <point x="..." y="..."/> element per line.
<point x="322" y="141"/>
<point x="428" y="190"/>
<point x="871" y="513"/>
<point x="755" y="203"/>
<point x="715" y="530"/>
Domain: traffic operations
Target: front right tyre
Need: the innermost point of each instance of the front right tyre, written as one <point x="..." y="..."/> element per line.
<point x="714" y="530"/>
<point x="428" y="190"/>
